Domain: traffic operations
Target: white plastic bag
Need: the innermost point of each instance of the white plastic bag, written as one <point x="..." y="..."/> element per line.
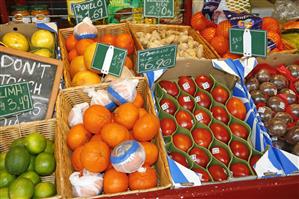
<point x="100" y="97"/>
<point x="76" y="114"/>
<point x="85" y="29"/>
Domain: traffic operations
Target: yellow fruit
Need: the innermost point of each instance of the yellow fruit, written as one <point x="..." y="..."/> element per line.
<point x="16" y="40"/>
<point x="77" y="65"/>
<point x="43" y="52"/>
<point x="85" y="78"/>
<point x="43" y="39"/>
<point x="88" y="55"/>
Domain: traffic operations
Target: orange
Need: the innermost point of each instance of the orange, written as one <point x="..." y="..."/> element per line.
<point x="138" y="101"/>
<point x="76" y="159"/>
<point x="72" y="54"/>
<point x="198" y="21"/>
<point x="70" y="42"/>
<point x="96" y="137"/>
<point x="95" y="156"/>
<point x="143" y="180"/>
<point x="220" y="44"/>
<point x="230" y="55"/>
<point x="125" y="41"/>
<point x="128" y="63"/>
<point x="87" y="77"/>
<point x="151" y="152"/>
<point x="82" y="44"/>
<point x="270" y="24"/>
<point x="88" y="55"/>
<point x="115" y="182"/>
<point x="275" y="50"/>
<point x="77" y="65"/>
<point x="208" y="33"/>
<point x="114" y="134"/>
<point x="107" y="39"/>
<point x="126" y="115"/>
<point x="77" y="136"/>
<point x="223" y="28"/>
<point x="142" y="112"/>
<point x="275" y="37"/>
<point x="146" y="127"/>
<point x="95" y="117"/>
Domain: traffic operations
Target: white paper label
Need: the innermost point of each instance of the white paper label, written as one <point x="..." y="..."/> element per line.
<point x="281" y="105"/>
<point x="261" y="110"/>
<point x="274" y="138"/>
<point x="164" y="106"/>
<point x="197" y="99"/>
<point x="187" y="99"/>
<point x="193" y="157"/>
<point x="186" y="86"/>
<point x="205" y="85"/>
<point x="199" y="117"/>
<point x="292" y="92"/>
<point x="215" y="150"/>
<point x="275" y="92"/>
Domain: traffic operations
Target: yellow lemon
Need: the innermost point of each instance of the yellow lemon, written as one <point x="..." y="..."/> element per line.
<point x="88" y="55"/>
<point x="43" y="39"/>
<point x="43" y="52"/>
<point x="16" y="40"/>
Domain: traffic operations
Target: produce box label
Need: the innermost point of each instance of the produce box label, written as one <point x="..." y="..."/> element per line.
<point x="159" y="8"/>
<point x="15" y="98"/>
<point x="94" y="9"/>
<point x="109" y="59"/>
<point x="156" y="58"/>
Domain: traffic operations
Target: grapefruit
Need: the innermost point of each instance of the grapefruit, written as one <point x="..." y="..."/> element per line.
<point x="16" y="40"/>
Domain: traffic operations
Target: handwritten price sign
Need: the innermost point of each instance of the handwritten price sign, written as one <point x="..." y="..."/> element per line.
<point x="159" y="8"/>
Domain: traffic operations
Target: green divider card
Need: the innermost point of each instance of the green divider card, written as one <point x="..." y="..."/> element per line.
<point x="159" y="8"/>
<point x="94" y="9"/>
<point x="156" y="58"/>
<point x="15" y="98"/>
<point x="109" y="59"/>
<point x="258" y="42"/>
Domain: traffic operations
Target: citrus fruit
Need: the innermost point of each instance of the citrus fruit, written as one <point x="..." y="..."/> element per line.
<point x="95" y="117"/>
<point x="35" y="143"/>
<point x="43" y="39"/>
<point x="95" y="156"/>
<point x="5" y="178"/>
<point x="107" y="39"/>
<point x="151" y="152"/>
<point x="83" y="78"/>
<point x="70" y="42"/>
<point x="146" y="128"/>
<point x="16" y="40"/>
<point x="113" y="134"/>
<point x="17" y="160"/>
<point x="220" y="44"/>
<point x="76" y="159"/>
<point x="44" y="164"/>
<point x="2" y="160"/>
<point x="49" y="146"/>
<point x="88" y="55"/>
<point x="231" y="56"/>
<point x="77" y="136"/>
<point x="31" y="164"/>
<point x="274" y="37"/>
<point x="4" y="193"/>
<point x="44" y="190"/>
<point x="138" y="101"/>
<point x="18" y="142"/>
<point x="72" y="54"/>
<point x="208" y="33"/>
<point x="82" y="45"/>
<point x="31" y="175"/>
<point x="21" y="188"/>
<point x="142" y="112"/>
<point x="223" y="29"/>
<point x="115" y="182"/>
<point x="198" y="21"/>
<point x="129" y="63"/>
<point x="77" y="65"/>
<point x="126" y="115"/>
<point x="143" y="179"/>
<point x="125" y="41"/>
<point x="43" y="52"/>
<point x="96" y="137"/>
<point x="270" y="24"/>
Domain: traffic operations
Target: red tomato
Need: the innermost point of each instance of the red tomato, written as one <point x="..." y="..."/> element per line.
<point x="201" y="158"/>
<point x="202" y="116"/>
<point x="236" y="107"/>
<point x="184" y="119"/>
<point x="202" y="137"/>
<point x="186" y="102"/>
<point x="168" y="106"/>
<point x="220" y="113"/>
<point x="187" y="84"/>
<point x="202" y="99"/>
<point x="218" y="172"/>
<point x="239" y="149"/>
<point x="220" y="94"/>
<point x="198" y="21"/>
<point x="254" y="159"/>
<point x="179" y="158"/>
<point x="204" y="82"/>
<point x="170" y="87"/>
<point x="239" y="170"/>
<point x="182" y="141"/>
<point x="168" y="126"/>
<point x="205" y="176"/>
<point x="220" y="132"/>
<point x="220" y="154"/>
<point x="239" y="130"/>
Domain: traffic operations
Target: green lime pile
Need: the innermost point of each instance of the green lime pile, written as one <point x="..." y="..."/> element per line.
<point x="22" y="166"/>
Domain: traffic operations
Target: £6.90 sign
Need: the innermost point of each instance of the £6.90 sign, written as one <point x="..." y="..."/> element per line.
<point x="159" y="8"/>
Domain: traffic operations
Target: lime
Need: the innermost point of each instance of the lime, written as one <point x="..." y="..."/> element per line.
<point x="17" y="142"/>
<point x="31" y="165"/>
<point x="4" y="193"/>
<point x="5" y="178"/>
<point x="21" y="188"/>
<point x="44" y="163"/>
<point x="2" y="160"/>
<point x="50" y="147"/>
<point x="31" y="175"/>
<point x="35" y="143"/>
<point x="17" y="160"/>
<point x="44" y="190"/>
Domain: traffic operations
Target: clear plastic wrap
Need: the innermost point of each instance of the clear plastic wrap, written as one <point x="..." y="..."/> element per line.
<point x="100" y="97"/>
<point x="85" y="29"/>
<point x="76" y="114"/>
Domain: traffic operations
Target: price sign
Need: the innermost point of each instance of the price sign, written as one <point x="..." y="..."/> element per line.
<point x="159" y="8"/>
<point x="94" y="9"/>
<point x="15" y="98"/>
<point x="156" y="58"/>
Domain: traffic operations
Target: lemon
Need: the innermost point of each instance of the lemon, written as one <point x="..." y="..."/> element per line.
<point x="16" y="40"/>
<point x="5" y="178"/>
<point x="50" y="147"/>
<point x="42" y="39"/>
<point x="31" y="175"/>
<point x="44" y="164"/>
<point x="35" y="143"/>
<point x="4" y="193"/>
<point x="43" y="52"/>
<point x="2" y="160"/>
<point x="44" y="190"/>
<point x="88" y="55"/>
<point x="21" y="188"/>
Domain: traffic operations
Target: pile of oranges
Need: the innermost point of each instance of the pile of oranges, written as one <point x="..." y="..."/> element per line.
<point x="81" y="52"/>
<point x="92" y="142"/>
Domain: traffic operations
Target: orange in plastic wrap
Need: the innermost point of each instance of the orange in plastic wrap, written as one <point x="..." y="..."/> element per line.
<point x="220" y="44"/>
<point x="223" y="29"/>
<point x="198" y="21"/>
<point x="208" y="33"/>
<point x="270" y="24"/>
<point x="138" y="101"/>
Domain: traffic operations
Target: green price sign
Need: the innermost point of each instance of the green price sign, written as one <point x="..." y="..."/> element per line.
<point x="94" y="9"/>
<point x="156" y="58"/>
<point x="159" y="8"/>
<point x="109" y="59"/>
<point x="14" y="99"/>
<point x="248" y="42"/>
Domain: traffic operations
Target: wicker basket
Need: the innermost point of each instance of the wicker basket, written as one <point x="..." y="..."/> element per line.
<point x="46" y="127"/>
<point x="66" y="100"/>
<point x="207" y="52"/>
